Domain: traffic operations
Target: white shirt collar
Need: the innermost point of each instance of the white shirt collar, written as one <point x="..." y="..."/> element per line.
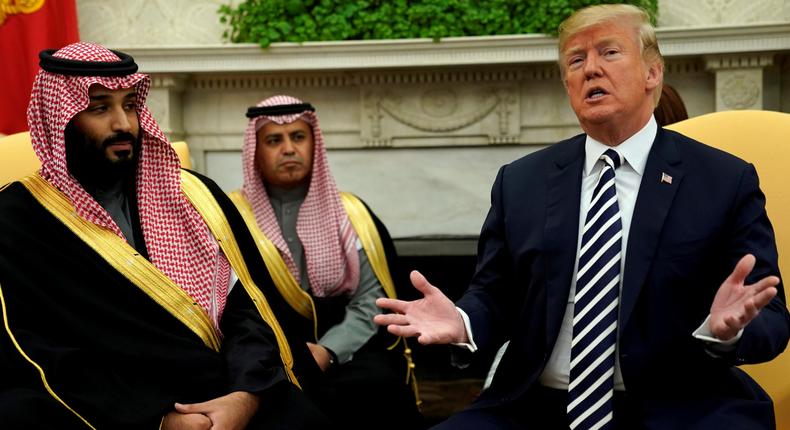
<point x="634" y="149"/>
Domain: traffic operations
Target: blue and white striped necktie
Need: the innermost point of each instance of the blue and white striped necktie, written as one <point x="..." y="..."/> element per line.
<point x="591" y="386"/>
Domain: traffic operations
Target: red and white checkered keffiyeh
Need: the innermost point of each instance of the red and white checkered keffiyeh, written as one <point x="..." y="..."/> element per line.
<point x="176" y="237"/>
<point x="328" y="238"/>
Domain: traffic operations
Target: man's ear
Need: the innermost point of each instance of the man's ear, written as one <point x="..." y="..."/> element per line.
<point x="655" y="75"/>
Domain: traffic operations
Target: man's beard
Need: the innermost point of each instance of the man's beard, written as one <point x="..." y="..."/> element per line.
<point x="88" y="163"/>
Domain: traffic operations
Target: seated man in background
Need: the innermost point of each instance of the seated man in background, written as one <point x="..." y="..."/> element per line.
<point x="117" y="300"/>
<point x="327" y="254"/>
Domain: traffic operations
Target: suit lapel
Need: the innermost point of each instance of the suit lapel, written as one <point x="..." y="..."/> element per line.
<point x="653" y="202"/>
<point x="561" y="232"/>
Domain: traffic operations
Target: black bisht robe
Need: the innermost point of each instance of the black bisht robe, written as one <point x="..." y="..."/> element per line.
<point x="110" y="352"/>
<point x="374" y="382"/>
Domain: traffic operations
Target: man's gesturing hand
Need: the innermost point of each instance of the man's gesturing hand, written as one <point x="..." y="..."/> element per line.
<point x="432" y="319"/>
<point x="736" y="304"/>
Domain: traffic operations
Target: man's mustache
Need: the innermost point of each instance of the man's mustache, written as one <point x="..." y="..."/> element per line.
<point x="291" y="158"/>
<point x="119" y="137"/>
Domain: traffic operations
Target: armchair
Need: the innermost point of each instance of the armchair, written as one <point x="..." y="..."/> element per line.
<point x="761" y="138"/>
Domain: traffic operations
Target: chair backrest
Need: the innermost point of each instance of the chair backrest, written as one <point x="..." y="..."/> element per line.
<point x="182" y="149"/>
<point x="17" y="158"/>
<point x="763" y="139"/>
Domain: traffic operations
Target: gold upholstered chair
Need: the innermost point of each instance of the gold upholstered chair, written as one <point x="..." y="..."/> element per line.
<point x="17" y="158"/>
<point x="763" y="139"/>
<point x="182" y="149"/>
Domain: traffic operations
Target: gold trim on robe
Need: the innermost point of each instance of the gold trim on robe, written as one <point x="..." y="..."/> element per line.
<point x="144" y="275"/>
<point x="201" y="198"/>
<point x="292" y="292"/>
<point x="369" y="236"/>
<point x="285" y="282"/>
<point x="127" y="261"/>
<point x="38" y="368"/>
<point x="290" y="289"/>
<point x="371" y="241"/>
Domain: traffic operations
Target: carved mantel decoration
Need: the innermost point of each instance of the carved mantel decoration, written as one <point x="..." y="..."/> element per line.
<point x="456" y="116"/>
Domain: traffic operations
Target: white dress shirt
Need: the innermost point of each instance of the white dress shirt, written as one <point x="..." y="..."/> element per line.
<point x="627" y="178"/>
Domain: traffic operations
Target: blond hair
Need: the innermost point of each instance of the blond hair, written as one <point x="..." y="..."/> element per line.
<point x="621" y="14"/>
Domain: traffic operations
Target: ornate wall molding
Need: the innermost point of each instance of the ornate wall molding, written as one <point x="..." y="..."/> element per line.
<point x="684" y="13"/>
<point x="414" y="53"/>
<point x="456" y="116"/>
<point x="454" y="76"/>
<point x="222" y="82"/>
<point x="684" y="66"/>
<point x="740" y="80"/>
<point x="739" y="61"/>
<point x="741" y="90"/>
<point x="261" y="82"/>
<point x="175" y="82"/>
<point x="348" y="55"/>
<point x="165" y="103"/>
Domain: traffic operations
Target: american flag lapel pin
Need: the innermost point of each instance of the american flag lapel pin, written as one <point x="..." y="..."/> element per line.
<point x="666" y="179"/>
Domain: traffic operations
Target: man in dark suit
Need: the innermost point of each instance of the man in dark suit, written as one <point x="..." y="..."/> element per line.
<point x="630" y="267"/>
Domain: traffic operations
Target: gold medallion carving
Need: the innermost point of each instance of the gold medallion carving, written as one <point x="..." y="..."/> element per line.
<point x="13" y="7"/>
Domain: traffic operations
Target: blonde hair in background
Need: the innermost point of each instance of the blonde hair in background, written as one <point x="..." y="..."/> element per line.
<point x="619" y="14"/>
